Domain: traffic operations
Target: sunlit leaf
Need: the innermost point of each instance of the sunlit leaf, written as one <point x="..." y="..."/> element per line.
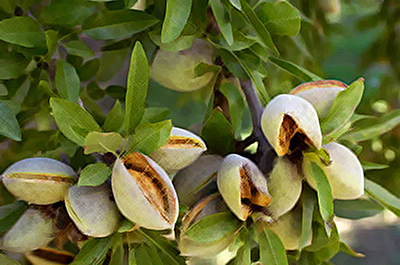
<point x="272" y="250"/>
<point x="93" y="251"/>
<point x="343" y="107"/>
<point x="294" y="69"/>
<point x="94" y="175"/>
<point x="114" y="119"/>
<point x="67" y="81"/>
<point x="102" y="142"/>
<point x="137" y="85"/>
<point x="70" y="117"/>
<point x="366" y="165"/>
<point x="176" y="15"/>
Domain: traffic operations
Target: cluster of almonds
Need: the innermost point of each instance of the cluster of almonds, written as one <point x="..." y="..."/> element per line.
<point x="142" y="190"/>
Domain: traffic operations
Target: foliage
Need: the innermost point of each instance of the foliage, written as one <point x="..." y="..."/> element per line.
<point x="76" y="85"/>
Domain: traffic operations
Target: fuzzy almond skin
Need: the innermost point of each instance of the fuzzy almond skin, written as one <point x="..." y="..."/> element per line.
<point x="285" y="186"/>
<point x="300" y="111"/>
<point x="92" y="211"/>
<point x="345" y="173"/>
<point x="229" y="181"/>
<point x="39" y="180"/>
<point x="32" y="231"/>
<point x="320" y="94"/>
<point x="175" y="157"/>
<point x="133" y="204"/>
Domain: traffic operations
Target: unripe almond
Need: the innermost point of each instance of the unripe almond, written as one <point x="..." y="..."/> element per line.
<point x="320" y="94"/>
<point x="284" y="186"/>
<point x="287" y="115"/>
<point x="242" y="185"/>
<point x="144" y="193"/>
<point x="345" y="173"/>
<point x="39" y="180"/>
<point x="182" y="149"/>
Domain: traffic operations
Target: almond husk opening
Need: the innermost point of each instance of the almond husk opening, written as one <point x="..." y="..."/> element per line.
<point x="183" y="142"/>
<point x="153" y="187"/>
<point x="48" y="177"/>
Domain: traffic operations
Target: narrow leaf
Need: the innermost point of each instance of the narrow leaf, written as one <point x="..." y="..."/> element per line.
<point x="70" y="115"/>
<point x="176" y="15"/>
<point x="212" y="227"/>
<point x="384" y="197"/>
<point x="138" y="82"/>
<point x="117" y="256"/>
<point x="272" y="251"/>
<point x="77" y="47"/>
<point x="148" y="137"/>
<point x="9" y="126"/>
<point x="114" y="119"/>
<point x="349" y="251"/>
<point x="307" y="201"/>
<point x="102" y="142"/>
<point x="10" y="213"/>
<point x="222" y="16"/>
<point x="366" y="165"/>
<point x="67" y="81"/>
<point x="357" y="209"/>
<point x="324" y="191"/>
<point x="94" y="175"/>
<point x="117" y="24"/>
<point x="259" y="27"/>
<point x="243" y="256"/>
<point x="294" y="69"/>
<point x="343" y="107"/>
<point x="236" y="106"/>
<point x="236" y="3"/>
<point x="152" y="115"/>
<point x="24" y="31"/>
<point x="370" y="128"/>
<point x="93" y="252"/>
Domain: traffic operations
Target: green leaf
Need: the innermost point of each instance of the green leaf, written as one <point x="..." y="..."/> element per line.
<point x="94" y="91"/>
<point x="114" y="119"/>
<point x="131" y="3"/>
<point x="281" y="18"/>
<point x="10" y="213"/>
<point x="70" y="115"/>
<point x="132" y="256"/>
<point x="3" y="90"/>
<point x="88" y="70"/>
<point x="117" y="24"/>
<point x="67" y="81"/>
<point x="6" y="260"/>
<point x="294" y="69"/>
<point x="117" y="256"/>
<point x="12" y="64"/>
<point x="24" y="31"/>
<point x="236" y="3"/>
<point x="176" y="15"/>
<point x="384" y="197"/>
<point x="212" y="227"/>
<point x="65" y="13"/>
<point x="152" y="115"/>
<point x="272" y="251"/>
<point x="356" y="209"/>
<point x="9" y="126"/>
<point x="236" y="106"/>
<point x="343" y="107"/>
<point x="77" y="47"/>
<point x="51" y="42"/>
<point x="93" y="251"/>
<point x="102" y="142"/>
<point x="115" y="58"/>
<point x="370" y="128"/>
<point x="94" y="175"/>
<point x="182" y="42"/>
<point x="218" y="133"/>
<point x="366" y="165"/>
<point x="332" y="247"/>
<point x="307" y="201"/>
<point x="325" y="200"/>
<point x="349" y="251"/>
<point x="137" y="85"/>
<point x="148" y="137"/>
<point x="243" y="256"/>
<point x="259" y="27"/>
<point x="222" y="16"/>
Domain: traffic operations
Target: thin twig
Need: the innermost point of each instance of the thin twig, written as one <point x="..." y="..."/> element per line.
<point x="265" y="151"/>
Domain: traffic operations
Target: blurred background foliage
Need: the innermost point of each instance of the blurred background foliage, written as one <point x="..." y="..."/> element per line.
<point x="341" y="40"/>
